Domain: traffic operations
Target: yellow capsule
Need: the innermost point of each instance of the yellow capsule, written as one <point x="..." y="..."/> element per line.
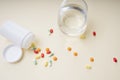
<point x="32" y="45"/>
<point x="82" y="36"/>
<point x="88" y="67"/>
<point x="46" y="64"/>
<point x="37" y="57"/>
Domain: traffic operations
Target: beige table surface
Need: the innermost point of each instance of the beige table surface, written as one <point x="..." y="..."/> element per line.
<point x="40" y="15"/>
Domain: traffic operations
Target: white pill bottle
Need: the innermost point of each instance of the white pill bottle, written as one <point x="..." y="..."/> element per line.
<point x="17" y="34"/>
<point x="20" y="38"/>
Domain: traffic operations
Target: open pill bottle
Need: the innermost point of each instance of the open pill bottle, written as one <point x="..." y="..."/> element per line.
<point x="19" y="36"/>
<point x="16" y="34"/>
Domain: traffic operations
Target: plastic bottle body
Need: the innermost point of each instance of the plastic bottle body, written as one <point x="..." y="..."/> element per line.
<point x="16" y="34"/>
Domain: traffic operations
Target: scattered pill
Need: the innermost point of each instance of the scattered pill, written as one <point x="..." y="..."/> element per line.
<point x="115" y="60"/>
<point x="35" y="62"/>
<point x="88" y="67"/>
<point x="36" y="52"/>
<point x="34" y="48"/>
<point x="75" y="54"/>
<point x="37" y="57"/>
<point x="51" y="55"/>
<point x="47" y="49"/>
<point x="54" y="58"/>
<point x="42" y="55"/>
<point x="48" y="52"/>
<point x="91" y="59"/>
<point x="94" y="33"/>
<point x="69" y="48"/>
<point x="33" y="45"/>
<point x="46" y="64"/>
<point x="82" y="36"/>
<point x="50" y="63"/>
<point x="38" y="49"/>
<point x="51" y="31"/>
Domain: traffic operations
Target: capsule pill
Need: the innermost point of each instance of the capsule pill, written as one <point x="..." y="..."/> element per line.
<point x="115" y="60"/>
<point x="54" y="58"/>
<point x="82" y="36"/>
<point x="47" y="49"/>
<point x="88" y="67"/>
<point x="35" y="62"/>
<point x="51" y="31"/>
<point x="38" y="49"/>
<point x="69" y="48"/>
<point x="50" y="63"/>
<point x="42" y="55"/>
<point x="36" y="52"/>
<point x="51" y="55"/>
<point x="48" y="52"/>
<point x="37" y="57"/>
<point x="75" y="54"/>
<point x="46" y="64"/>
<point x="91" y="59"/>
<point x="94" y="33"/>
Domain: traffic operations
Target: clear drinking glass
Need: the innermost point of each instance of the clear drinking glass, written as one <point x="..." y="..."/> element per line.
<point x="72" y="17"/>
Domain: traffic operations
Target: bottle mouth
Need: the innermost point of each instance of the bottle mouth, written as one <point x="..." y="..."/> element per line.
<point x="28" y="40"/>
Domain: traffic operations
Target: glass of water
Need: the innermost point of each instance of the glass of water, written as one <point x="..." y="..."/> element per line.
<point x="72" y="17"/>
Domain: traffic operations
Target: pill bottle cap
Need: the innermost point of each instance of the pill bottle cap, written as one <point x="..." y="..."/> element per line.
<point x="12" y="53"/>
